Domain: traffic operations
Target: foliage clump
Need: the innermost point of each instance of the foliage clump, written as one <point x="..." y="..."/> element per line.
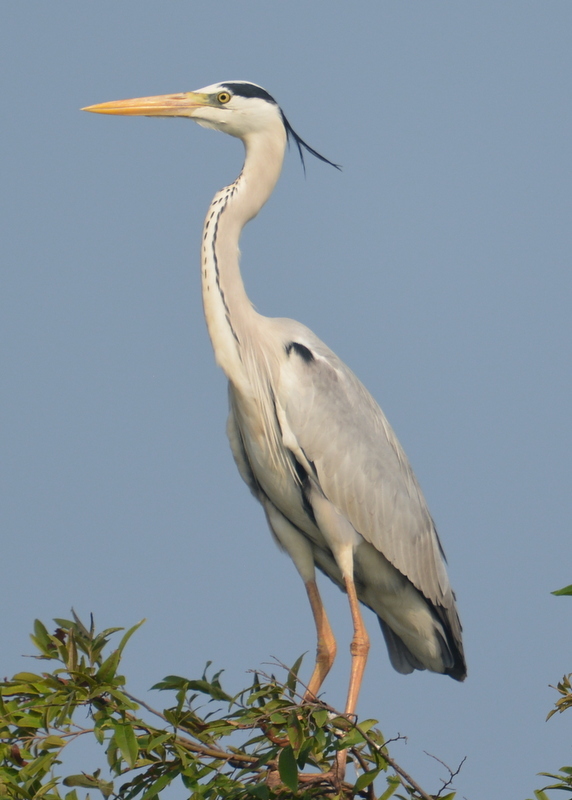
<point x="262" y="743"/>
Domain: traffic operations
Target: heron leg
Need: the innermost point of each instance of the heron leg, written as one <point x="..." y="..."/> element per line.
<point x="326" y="649"/>
<point x="359" y="649"/>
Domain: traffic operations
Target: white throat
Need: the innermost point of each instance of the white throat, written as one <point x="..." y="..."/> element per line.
<point x="229" y="313"/>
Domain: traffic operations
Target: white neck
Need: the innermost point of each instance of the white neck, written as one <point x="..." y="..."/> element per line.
<point x="229" y="314"/>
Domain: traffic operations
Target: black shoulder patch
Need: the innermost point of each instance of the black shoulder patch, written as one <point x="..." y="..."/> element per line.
<point x="250" y="90"/>
<point x="301" y="350"/>
<point x="304" y="487"/>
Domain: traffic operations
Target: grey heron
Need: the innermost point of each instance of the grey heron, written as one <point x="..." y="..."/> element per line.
<point x="308" y="439"/>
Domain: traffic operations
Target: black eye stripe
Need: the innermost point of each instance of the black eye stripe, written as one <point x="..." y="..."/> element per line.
<point x="250" y="90"/>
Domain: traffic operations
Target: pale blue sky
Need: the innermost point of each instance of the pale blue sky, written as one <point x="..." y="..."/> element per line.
<point x="437" y="265"/>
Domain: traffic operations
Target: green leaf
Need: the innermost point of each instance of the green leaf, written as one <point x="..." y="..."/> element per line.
<point x="29" y="677"/>
<point x="89" y="782"/>
<point x="343" y="723"/>
<point x="320" y="737"/>
<point x="393" y="784"/>
<point x="18" y="791"/>
<point x="305" y="751"/>
<point x="99" y="730"/>
<point x="53" y="741"/>
<point x="351" y="739"/>
<point x="124" y="701"/>
<point x="65" y="712"/>
<point x="29" y="721"/>
<point x="367" y="724"/>
<point x="160" y="783"/>
<point x="292" y="679"/>
<point x="39" y="766"/>
<point x="66" y="624"/>
<point x="109" y="667"/>
<point x="211" y="689"/>
<point x="106" y="788"/>
<point x="171" y="682"/>
<point x="127" y="742"/>
<point x="15" y="689"/>
<point x="320" y="717"/>
<point x="261" y="791"/>
<point x="128" y="634"/>
<point x="41" y="634"/>
<point x="288" y="769"/>
<point x="366" y="778"/>
<point x="85" y="781"/>
<point x="158" y="740"/>
<point x="567" y="590"/>
<point x="295" y="732"/>
<point x="71" y="659"/>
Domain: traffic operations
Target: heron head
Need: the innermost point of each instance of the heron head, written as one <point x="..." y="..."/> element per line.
<point x="239" y="108"/>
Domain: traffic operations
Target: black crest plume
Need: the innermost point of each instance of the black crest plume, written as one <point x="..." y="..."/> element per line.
<point x="300" y="143"/>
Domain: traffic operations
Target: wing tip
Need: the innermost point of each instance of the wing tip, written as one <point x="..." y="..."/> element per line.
<point x="405" y="662"/>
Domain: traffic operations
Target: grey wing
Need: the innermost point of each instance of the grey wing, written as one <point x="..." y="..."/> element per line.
<point x="339" y="428"/>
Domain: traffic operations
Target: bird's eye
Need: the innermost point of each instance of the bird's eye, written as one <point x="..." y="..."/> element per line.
<point x="223" y="97"/>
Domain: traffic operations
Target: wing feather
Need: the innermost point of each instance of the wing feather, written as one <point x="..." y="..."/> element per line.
<point x="359" y="463"/>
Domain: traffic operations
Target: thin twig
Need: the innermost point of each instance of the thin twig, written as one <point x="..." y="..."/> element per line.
<point x="147" y="706"/>
<point x="449" y="781"/>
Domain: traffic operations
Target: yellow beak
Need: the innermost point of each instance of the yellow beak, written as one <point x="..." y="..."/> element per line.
<point x="164" y="105"/>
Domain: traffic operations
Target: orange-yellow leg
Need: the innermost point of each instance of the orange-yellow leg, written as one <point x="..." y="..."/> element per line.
<point x="326" y="653"/>
<point x="359" y="649"/>
<point x="326" y="649"/>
